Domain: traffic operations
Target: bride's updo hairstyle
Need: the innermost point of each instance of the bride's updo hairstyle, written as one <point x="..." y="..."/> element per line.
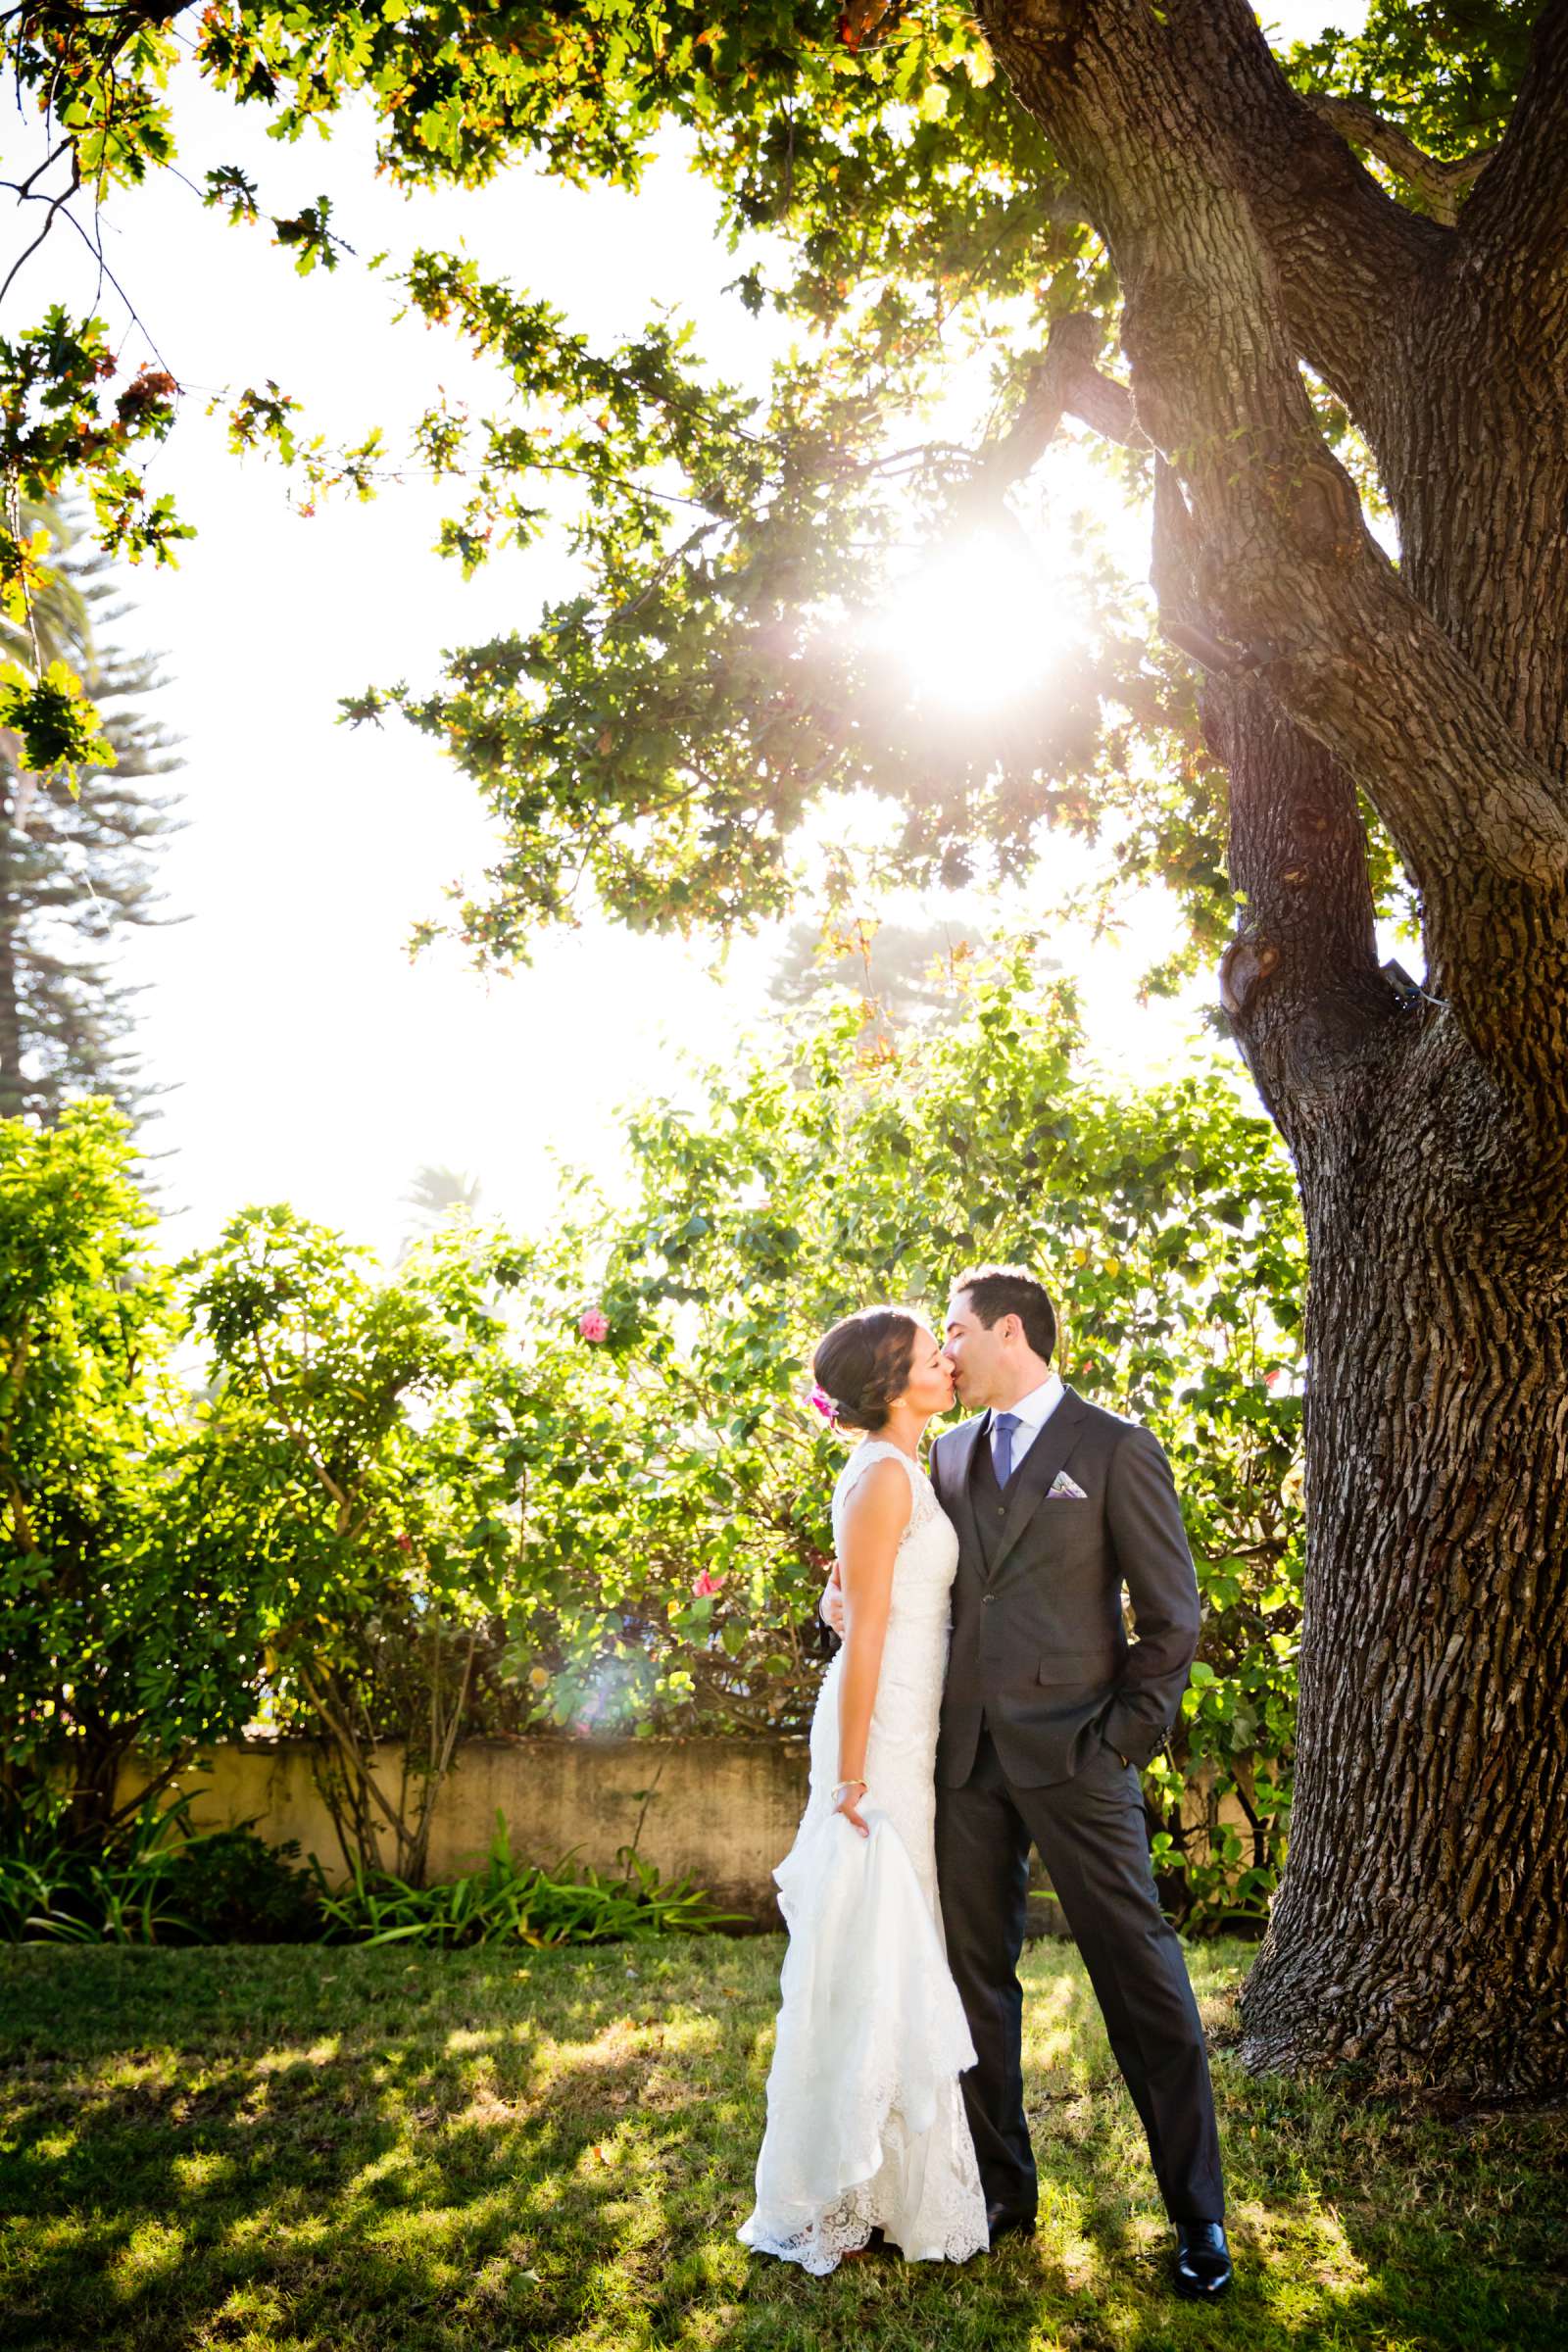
<point x="863" y="1362"/>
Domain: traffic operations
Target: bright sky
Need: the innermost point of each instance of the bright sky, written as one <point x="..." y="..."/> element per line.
<point x="311" y="1060"/>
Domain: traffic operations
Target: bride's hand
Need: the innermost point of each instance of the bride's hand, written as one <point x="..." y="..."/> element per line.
<point x="849" y="1795"/>
<point x="830" y="1609"/>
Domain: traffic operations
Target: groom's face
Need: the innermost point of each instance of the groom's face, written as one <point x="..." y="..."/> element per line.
<point x="974" y="1352"/>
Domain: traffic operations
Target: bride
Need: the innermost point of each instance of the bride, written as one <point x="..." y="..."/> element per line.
<point x="866" y="2134"/>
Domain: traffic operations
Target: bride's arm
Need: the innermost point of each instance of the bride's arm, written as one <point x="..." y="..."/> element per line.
<point x="877" y="1514"/>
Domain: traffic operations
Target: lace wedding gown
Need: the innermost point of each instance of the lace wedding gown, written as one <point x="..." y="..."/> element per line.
<point x="865" y="2121"/>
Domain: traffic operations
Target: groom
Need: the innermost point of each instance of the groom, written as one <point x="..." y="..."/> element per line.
<point x="1048" y="1714"/>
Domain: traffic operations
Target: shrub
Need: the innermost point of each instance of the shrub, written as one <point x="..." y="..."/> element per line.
<point x="231" y="1887"/>
<point x="672" y="1511"/>
<point x="158" y="1880"/>
<point x="163" y="1882"/>
<point x="510" y="1901"/>
<point x="127" y="1581"/>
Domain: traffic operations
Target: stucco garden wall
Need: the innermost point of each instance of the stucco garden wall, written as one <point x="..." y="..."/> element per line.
<point x="723" y="1812"/>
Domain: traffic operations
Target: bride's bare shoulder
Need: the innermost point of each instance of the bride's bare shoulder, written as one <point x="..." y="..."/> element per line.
<point x="875" y="1484"/>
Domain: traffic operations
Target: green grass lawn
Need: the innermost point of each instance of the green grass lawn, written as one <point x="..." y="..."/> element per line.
<point x="274" y="2149"/>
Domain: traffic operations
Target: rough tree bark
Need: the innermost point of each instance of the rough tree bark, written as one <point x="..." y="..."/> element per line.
<point x="1421" y="1931"/>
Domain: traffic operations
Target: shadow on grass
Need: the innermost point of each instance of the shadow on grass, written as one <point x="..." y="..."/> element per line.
<point x="276" y="2149"/>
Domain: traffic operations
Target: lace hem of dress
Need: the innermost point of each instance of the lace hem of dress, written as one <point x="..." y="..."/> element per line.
<point x="846" y="2229"/>
<point x="866" y="2123"/>
<point x="925" y="2198"/>
<point x="866" y="2126"/>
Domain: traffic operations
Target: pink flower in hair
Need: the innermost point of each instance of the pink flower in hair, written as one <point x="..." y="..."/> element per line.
<point x="595" y="1324"/>
<point x="818" y="1397"/>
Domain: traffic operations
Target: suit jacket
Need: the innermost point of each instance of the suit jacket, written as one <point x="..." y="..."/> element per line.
<point x="1039" y="1641"/>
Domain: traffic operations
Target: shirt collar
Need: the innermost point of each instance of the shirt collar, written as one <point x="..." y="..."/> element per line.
<point x="1040" y="1404"/>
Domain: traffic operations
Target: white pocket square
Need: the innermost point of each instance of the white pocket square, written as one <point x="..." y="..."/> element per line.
<point x="1066" y="1489"/>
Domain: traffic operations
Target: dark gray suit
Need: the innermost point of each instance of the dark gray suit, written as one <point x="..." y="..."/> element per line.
<point x="1043" y="1688"/>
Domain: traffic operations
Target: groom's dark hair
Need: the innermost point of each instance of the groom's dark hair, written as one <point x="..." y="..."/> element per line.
<point x="998" y="1291"/>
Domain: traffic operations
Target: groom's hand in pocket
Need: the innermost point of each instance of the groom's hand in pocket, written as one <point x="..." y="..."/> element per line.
<point x="830" y="1609"/>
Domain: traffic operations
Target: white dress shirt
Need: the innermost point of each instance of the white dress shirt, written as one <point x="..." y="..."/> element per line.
<point x="1033" y="1411"/>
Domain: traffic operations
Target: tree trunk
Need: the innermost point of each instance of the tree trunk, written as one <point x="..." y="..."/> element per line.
<point x="1421" y="1929"/>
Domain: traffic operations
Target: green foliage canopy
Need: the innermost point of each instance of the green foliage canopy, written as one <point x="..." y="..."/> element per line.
<point x="677" y="1531"/>
<point x="658" y="739"/>
<point x="418" y="1504"/>
<point x="351" y="1428"/>
<point x="130" y="1607"/>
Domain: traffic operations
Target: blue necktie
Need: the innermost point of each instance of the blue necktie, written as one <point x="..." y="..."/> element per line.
<point x="1001" y="1449"/>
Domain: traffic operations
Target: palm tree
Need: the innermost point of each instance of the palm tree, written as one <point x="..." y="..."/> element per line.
<point x="433" y="1194"/>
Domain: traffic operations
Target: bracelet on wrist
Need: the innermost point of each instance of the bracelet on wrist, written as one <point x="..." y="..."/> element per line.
<point x="839" y="1787"/>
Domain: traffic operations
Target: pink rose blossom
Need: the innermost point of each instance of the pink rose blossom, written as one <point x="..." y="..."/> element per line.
<point x="595" y="1324"/>
<point x="704" y="1584"/>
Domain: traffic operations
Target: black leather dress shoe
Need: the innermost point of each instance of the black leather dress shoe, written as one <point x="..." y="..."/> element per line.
<point x="1000" y="2218"/>
<point x="1203" y="2259"/>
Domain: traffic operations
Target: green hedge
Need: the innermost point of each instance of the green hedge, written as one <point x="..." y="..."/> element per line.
<point x="572" y="1482"/>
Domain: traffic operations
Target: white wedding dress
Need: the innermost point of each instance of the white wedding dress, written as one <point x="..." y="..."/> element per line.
<point x="865" y="2121"/>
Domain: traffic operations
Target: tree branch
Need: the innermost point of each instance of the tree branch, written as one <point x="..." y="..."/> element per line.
<point x="298" y="1436"/>
<point x="1351" y="262"/>
<point x="1441" y="182"/>
<point x="148" y="1789"/>
<point x="55" y="204"/>
<point x="1299" y="982"/>
<point x="1520" y="208"/>
<point x="350" y="1747"/>
<point x="1064" y="384"/>
<point x="1285" y="572"/>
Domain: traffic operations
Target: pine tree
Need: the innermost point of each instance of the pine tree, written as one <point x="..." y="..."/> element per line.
<point x="77" y="868"/>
